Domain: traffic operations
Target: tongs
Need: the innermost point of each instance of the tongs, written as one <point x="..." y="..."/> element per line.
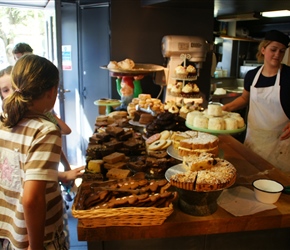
<point x="148" y="110"/>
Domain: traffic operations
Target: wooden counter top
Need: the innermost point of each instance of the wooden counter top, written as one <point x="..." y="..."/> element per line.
<point x="250" y="167"/>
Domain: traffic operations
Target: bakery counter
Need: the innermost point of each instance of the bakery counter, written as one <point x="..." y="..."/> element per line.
<point x="219" y="230"/>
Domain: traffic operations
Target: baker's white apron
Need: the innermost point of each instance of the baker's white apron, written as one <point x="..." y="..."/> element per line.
<point x="266" y="121"/>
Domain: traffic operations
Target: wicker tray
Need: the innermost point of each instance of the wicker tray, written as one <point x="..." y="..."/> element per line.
<point x="126" y="216"/>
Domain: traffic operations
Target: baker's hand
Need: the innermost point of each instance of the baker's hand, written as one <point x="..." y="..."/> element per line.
<point x="286" y="132"/>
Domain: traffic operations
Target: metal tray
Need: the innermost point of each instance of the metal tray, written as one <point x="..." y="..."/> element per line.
<point x="138" y="69"/>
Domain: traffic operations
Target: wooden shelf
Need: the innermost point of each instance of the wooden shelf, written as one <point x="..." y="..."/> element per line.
<point x="244" y="39"/>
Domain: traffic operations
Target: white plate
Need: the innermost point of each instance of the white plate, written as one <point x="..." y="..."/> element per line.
<point x="137" y="124"/>
<point x="173" y="152"/>
<point x="177" y="169"/>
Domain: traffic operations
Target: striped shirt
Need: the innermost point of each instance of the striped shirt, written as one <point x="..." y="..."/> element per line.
<point x="29" y="151"/>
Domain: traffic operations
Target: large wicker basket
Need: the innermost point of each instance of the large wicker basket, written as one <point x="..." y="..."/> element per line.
<point x="126" y="216"/>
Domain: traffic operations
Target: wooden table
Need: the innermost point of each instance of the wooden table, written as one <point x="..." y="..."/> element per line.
<point x="249" y="167"/>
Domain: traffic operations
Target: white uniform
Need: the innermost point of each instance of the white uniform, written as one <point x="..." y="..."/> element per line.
<point x="266" y="121"/>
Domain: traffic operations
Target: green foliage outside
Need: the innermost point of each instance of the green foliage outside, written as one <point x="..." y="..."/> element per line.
<point x="21" y="25"/>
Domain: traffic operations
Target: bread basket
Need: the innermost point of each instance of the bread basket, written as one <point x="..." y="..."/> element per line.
<point x="121" y="216"/>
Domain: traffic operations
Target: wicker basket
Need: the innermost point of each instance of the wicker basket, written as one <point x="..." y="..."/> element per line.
<point x="126" y="216"/>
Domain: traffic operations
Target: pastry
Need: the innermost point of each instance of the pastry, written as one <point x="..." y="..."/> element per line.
<point x="218" y="175"/>
<point x="180" y="72"/>
<point x="215" y="110"/>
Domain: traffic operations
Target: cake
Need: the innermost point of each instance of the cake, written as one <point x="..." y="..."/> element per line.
<point x="176" y="89"/>
<point x="114" y="157"/>
<point x="218" y="174"/>
<point x="199" y="162"/>
<point x="216" y="123"/>
<point x="198" y="143"/>
<point x="189" y="90"/>
<point x="191" y="70"/>
<point x="146" y="118"/>
<point x="95" y="166"/>
<point x="231" y="123"/>
<point x="191" y="115"/>
<point x="180" y="72"/>
<point x="215" y="110"/>
<point x="214" y="118"/>
<point x="200" y="121"/>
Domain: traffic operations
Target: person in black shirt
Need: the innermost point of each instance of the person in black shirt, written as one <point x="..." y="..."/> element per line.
<point x="267" y="92"/>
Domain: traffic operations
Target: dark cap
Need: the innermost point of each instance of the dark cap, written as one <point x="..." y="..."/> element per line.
<point x="277" y="36"/>
<point x="22" y="48"/>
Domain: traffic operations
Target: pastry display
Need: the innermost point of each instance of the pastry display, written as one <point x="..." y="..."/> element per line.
<point x="145" y="101"/>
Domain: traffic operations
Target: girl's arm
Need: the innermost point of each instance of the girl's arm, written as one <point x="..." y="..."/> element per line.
<point x="34" y="206"/>
<point x="64" y="128"/>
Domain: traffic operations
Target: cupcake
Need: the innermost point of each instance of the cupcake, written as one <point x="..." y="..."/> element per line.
<point x="181" y="72"/>
<point x="176" y="89"/>
<point x="191" y="71"/>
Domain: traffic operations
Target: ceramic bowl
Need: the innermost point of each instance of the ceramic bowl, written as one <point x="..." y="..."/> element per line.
<point x="267" y="191"/>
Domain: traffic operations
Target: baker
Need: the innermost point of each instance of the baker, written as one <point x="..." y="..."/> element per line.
<point x="267" y="91"/>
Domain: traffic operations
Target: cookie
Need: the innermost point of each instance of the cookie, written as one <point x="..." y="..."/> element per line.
<point x="167" y="144"/>
<point x="165" y="134"/>
<point x="153" y="138"/>
<point x="157" y="145"/>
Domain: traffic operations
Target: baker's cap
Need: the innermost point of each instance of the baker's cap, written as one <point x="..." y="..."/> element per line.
<point x="277" y="36"/>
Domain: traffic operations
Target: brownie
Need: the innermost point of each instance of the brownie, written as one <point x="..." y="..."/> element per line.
<point x="115" y="131"/>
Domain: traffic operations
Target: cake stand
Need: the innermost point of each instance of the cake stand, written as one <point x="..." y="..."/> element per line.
<point x="216" y="132"/>
<point x="197" y="203"/>
<point x="107" y="103"/>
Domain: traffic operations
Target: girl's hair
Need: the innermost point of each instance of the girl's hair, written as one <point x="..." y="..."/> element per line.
<point x="263" y="44"/>
<point x="31" y="77"/>
<point x="6" y="71"/>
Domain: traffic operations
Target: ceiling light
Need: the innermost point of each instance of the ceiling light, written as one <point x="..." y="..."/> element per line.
<point x="278" y="13"/>
<point x="239" y="17"/>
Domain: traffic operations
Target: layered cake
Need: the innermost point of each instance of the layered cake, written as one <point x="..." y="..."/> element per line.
<point x="199" y="142"/>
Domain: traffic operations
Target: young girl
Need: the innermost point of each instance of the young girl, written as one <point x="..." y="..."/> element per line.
<point x="31" y="208"/>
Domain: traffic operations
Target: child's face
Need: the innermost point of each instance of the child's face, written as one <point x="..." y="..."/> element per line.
<point x="5" y="86"/>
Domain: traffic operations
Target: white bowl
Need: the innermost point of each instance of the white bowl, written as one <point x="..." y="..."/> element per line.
<point x="267" y="191"/>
